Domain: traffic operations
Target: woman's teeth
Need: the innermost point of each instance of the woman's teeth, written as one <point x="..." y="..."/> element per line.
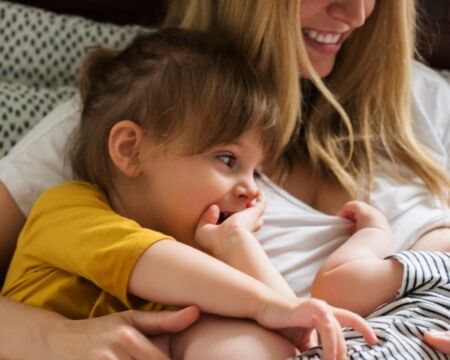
<point x="323" y="38"/>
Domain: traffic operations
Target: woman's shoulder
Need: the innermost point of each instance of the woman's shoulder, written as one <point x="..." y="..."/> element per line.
<point x="426" y="79"/>
<point x="430" y="106"/>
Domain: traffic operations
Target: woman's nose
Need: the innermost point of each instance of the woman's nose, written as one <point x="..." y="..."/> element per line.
<point x="352" y="12"/>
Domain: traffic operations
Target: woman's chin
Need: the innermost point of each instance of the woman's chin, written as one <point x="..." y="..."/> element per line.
<point x="323" y="68"/>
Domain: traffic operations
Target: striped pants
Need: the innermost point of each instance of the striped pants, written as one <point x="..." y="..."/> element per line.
<point x="422" y="303"/>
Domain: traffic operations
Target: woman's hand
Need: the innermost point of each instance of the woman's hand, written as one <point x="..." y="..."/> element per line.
<point x="438" y="340"/>
<point x="116" y="336"/>
<point x="39" y="334"/>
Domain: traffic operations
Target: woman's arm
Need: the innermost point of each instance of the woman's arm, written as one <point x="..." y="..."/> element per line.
<point x="36" y="334"/>
<point x="11" y="222"/>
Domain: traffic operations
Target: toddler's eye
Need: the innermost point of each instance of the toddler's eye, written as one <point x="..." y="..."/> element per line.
<point x="227" y="159"/>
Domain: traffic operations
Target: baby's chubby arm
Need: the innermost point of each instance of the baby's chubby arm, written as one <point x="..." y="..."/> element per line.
<point x="356" y="276"/>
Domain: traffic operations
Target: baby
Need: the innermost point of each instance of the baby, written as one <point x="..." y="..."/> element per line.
<point x="404" y="295"/>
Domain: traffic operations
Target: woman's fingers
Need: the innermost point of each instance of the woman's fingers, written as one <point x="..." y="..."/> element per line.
<point x="136" y="346"/>
<point x="133" y="344"/>
<point x="440" y="340"/>
<point x="158" y="322"/>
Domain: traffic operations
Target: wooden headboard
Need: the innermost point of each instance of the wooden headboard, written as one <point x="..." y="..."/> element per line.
<point x="434" y="30"/>
<point x="147" y="12"/>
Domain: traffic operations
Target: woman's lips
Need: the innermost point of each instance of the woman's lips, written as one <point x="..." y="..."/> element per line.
<point x="325" y="42"/>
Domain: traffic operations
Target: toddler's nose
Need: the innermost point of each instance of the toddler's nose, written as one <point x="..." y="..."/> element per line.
<point x="247" y="191"/>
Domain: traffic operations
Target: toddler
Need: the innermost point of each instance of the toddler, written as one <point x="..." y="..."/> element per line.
<point x="174" y="130"/>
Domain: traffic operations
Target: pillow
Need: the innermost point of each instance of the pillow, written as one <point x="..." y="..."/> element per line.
<point x="42" y="48"/>
<point x="40" y="54"/>
<point x="22" y="106"/>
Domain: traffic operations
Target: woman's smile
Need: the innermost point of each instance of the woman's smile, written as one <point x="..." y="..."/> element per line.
<point x="326" y="42"/>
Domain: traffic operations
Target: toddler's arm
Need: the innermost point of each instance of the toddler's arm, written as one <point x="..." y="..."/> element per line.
<point x="355" y="276"/>
<point x="233" y="242"/>
<point x="173" y="273"/>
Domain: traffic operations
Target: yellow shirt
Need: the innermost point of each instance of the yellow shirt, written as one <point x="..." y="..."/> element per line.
<point x="75" y="255"/>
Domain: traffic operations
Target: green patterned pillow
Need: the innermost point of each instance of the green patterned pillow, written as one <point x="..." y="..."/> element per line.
<point x="22" y="106"/>
<point x="43" y="48"/>
<point x="40" y="54"/>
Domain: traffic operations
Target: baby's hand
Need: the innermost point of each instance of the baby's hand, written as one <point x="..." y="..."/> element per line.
<point x="364" y="216"/>
<point x="303" y="315"/>
<point x="216" y="237"/>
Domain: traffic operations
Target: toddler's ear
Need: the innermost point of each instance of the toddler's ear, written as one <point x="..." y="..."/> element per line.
<point x="125" y="140"/>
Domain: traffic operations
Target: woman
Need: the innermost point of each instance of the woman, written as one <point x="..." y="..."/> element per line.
<point x="338" y="148"/>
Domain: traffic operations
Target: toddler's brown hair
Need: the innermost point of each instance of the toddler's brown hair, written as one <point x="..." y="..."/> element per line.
<point x="176" y="84"/>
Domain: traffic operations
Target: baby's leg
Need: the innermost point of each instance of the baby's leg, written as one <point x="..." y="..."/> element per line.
<point x="214" y="337"/>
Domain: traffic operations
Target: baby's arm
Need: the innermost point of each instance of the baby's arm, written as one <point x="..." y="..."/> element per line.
<point x="355" y="276"/>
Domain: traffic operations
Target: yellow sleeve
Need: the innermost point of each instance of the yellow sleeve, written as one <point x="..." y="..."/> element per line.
<point x="73" y="228"/>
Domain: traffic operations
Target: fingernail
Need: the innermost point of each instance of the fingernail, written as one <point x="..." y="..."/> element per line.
<point x="438" y="334"/>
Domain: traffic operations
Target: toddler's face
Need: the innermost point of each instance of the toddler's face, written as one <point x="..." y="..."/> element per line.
<point x="176" y="190"/>
<point x="326" y="24"/>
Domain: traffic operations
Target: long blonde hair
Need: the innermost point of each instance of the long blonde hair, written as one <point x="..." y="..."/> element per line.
<point x="371" y="81"/>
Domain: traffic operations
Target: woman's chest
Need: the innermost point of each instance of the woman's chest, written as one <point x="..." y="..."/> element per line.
<point x="320" y="194"/>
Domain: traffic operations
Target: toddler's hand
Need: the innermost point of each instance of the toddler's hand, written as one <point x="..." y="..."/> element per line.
<point x="303" y="315"/>
<point x="216" y="238"/>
